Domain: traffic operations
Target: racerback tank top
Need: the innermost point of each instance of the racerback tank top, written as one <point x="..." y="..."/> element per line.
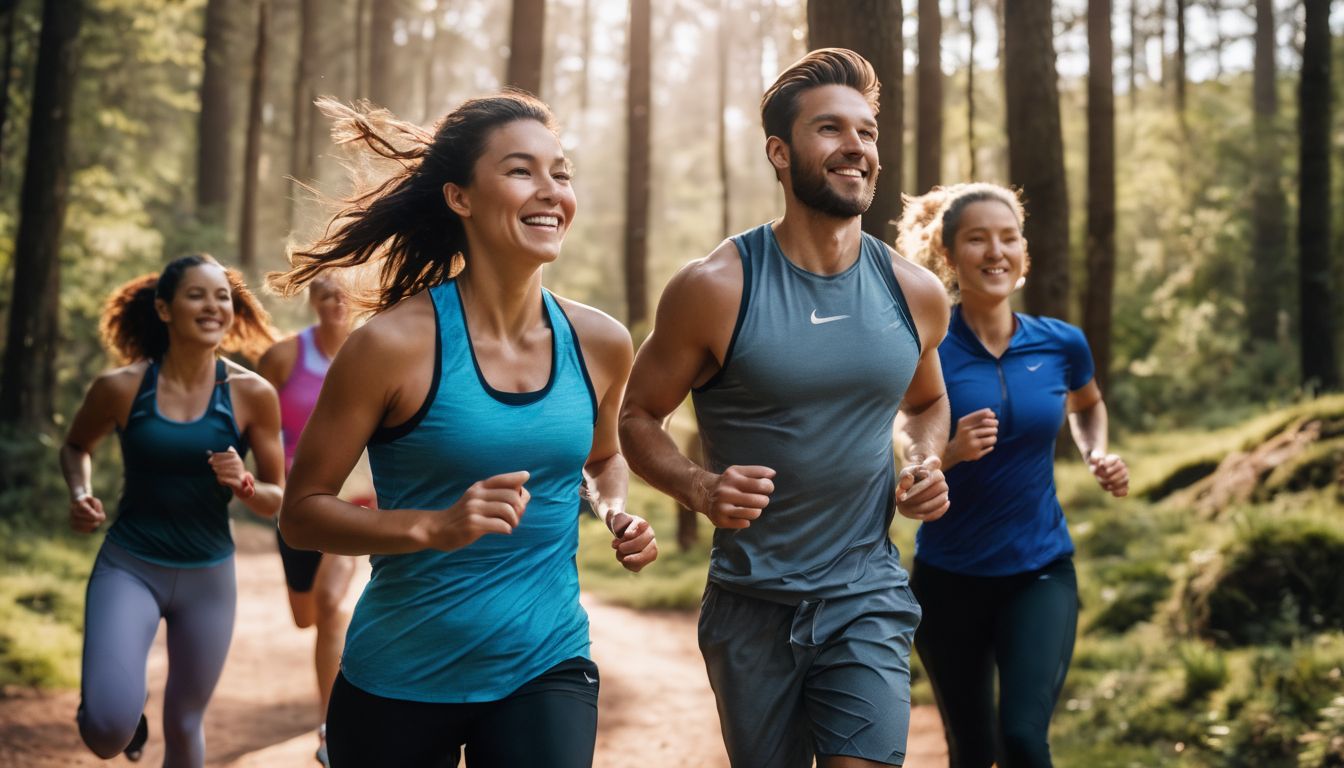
<point x="299" y="394"/>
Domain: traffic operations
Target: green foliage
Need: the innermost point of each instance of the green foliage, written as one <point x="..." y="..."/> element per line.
<point x="1131" y="594"/>
<point x="42" y="580"/>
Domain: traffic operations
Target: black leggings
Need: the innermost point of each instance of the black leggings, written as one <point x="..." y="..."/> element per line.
<point x="551" y="721"/>
<point x="1022" y="624"/>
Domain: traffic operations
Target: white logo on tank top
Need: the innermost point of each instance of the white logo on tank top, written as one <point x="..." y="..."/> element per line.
<point x="1033" y="368"/>
<point x="820" y="320"/>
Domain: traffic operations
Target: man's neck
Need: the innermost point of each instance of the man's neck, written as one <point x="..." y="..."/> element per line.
<point x="816" y="242"/>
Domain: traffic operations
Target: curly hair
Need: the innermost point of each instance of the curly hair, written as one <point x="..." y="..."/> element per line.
<point x="131" y="329"/>
<point x="403" y="225"/>
<point x="929" y="222"/>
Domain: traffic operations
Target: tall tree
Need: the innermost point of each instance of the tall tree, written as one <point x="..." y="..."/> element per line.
<point x="929" y="117"/>
<point x="303" y="147"/>
<point x="872" y="29"/>
<point x="1179" y="75"/>
<point x="1319" y="364"/>
<point x="26" y="383"/>
<point x="970" y="88"/>
<point x="1134" y="51"/>
<point x="10" y="10"/>
<point x="363" y="54"/>
<point x="527" y="44"/>
<point x="1100" y="188"/>
<point x="638" y="105"/>
<point x="388" y="77"/>
<point x="247" y="227"/>
<point x="1268" y="219"/>
<point x="214" y="155"/>
<point x="725" y="180"/>
<point x="1036" y="150"/>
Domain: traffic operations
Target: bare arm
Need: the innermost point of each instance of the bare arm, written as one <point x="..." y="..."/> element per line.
<point x="1089" y="424"/>
<point x="608" y="355"/>
<point x="381" y="376"/>
<point x="108" y="396"/>
<point x="921" y="489"/>
<point x="263" y="493"/>
<point x="695" y="317"/>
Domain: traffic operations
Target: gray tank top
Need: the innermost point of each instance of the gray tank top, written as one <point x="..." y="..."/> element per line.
<point x="810" y="384"/>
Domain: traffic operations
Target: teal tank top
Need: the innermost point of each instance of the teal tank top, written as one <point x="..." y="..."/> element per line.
<point x="173" y="511"/>
<point x="813" y="376"/>
<point x="477" y="623"/>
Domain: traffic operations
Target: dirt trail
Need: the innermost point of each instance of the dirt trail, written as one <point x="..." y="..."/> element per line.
<point x="656" y="709"/>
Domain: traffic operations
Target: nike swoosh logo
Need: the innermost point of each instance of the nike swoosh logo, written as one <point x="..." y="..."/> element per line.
<point x="589" y="679"/>
<point x="1033" y="368"/>
<point x="820" y="320"/>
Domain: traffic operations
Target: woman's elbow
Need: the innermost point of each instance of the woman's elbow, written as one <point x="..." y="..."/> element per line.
<point x="295" y="526"/>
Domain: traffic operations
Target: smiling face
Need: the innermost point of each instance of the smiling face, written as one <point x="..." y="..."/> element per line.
<point x="989" y="254"/>
<point x="832" y="154"/>
<point x="328" y="300"/>
<point x="201" y="309"/>
<point x="519" y="200"/>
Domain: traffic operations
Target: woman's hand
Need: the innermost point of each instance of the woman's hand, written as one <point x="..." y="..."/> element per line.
<point x="1110" y="471"/>
<point x="232" y="473"/>
<point x="86" y="512"/>
<point x="977" y="432"/>
<point x="633" y="541"/>
<point x="493" y="505"/>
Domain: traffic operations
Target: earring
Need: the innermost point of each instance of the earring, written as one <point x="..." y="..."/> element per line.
<point x="456" y="263"/>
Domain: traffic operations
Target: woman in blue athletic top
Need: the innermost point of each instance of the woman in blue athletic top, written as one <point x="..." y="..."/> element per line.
<point x="186" y="418"/>
<point x="485" y="403"/>
<point x="995" y="574"/>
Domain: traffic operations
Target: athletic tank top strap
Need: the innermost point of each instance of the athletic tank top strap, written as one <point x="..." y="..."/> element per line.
<point x="298" y="395"/>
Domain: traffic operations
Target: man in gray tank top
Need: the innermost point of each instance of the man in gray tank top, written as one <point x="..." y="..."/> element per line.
<point x="799" y="341"/>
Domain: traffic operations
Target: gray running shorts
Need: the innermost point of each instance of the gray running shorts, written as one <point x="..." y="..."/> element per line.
<point x="823" y="678"/>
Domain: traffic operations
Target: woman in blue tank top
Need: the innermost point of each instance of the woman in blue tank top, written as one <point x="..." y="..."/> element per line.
<point x="995" y="574"/>
<point x="185" y="418"/>
<point x="486" y="403"/>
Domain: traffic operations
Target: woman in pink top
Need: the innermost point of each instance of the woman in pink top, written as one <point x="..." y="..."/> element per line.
<point x="317" y="582"/>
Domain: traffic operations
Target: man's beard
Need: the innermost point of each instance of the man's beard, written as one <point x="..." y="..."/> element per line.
<point x="813" y="191"/>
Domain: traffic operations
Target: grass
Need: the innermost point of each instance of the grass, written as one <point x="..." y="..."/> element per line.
<point x="42" y="607"/>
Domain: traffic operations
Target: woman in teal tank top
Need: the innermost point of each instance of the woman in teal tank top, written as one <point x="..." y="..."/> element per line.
<point x="486" y="404"/>
<point x="186" y="419"/>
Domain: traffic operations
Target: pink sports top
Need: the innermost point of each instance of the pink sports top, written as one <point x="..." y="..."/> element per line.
<point x="299" y="393"/>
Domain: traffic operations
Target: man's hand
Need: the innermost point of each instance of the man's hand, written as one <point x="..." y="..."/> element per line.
<point x="736" y="497"/>
<point x="921" y="490"/>
<point x="1110" y="471"/>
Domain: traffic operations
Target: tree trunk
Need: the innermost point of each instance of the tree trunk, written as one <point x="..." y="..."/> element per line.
<point x="929" y="73"/>
<point x="214" y="174"/>
<point x="1036" y="151"/>
<point x="1100" y="188"/>
<point x="302" y="148"/>
<point x="30" y="349"/>
<point x="638" y="105"/>
<point x="247" y="227"/>
<point x="586" y="36"/>
<point x="1134" y="51"/>
<point x="1319" y="366"/>
<point x="1179" y="75"/>
<point x="725" y="176"/>
<point x="388" y="75"/>
<point x="11" y="10"/>
<point x="1269" y="214"/>
<point x="970" y="89"/>
<point x="363" y="54"/>
<point x="872" y="28"/>
<point x="527" y="45"/>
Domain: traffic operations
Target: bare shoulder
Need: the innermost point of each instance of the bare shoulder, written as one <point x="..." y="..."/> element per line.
<point x="408" y="328"/>
<point x="925" y="295"/>
<point x="119" y="383"/>
<point x="598" y="332"/>
<point x="707" y="290"/>
<point x="249" y="384"/>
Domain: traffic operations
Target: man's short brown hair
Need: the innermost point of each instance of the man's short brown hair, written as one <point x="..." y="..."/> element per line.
<point x="824" y="66"/>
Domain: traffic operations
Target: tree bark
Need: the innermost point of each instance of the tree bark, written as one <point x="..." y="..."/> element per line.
<point x="638" y="106"/>
<point x="1179" y="75"/>
<point x="1100" y="189"/>
<point x="302" y="147"/>
<point x="214" y="159"/>
<point x="1269" y="216"/>
<point x="10" y="8"/>
<point x="363" y="54"/>
<point x="725" y="175"/>
<point x="1036" y="151"/>
<point x="527" y="45"/>
<point x="32" y="340"/>
<point x="388" y="71"/>
<point x="1134" y="51"/>
<point x="1319" y="364"/>
<point x="872" y="28"/>
<point x="929" y="74"/>
<point x="247" y="226"/>
<point x="970" y="89"/>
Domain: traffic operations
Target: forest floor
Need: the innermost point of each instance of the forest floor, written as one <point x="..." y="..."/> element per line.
<point x="656" y="709"/>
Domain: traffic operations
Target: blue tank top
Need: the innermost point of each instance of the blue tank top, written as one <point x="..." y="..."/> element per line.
<point x="1005" y="517"/>
<point x="813" y="376"/>
<point x="173" y="511"/>
<point x="476" y="623"/>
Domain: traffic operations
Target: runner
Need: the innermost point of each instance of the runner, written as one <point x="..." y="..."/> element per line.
<point x="799" y="341"/>
<point x="317" y="583"/>
<point x="995" y="574"/>
<point x="485" y="401"/>
<point x="186" y="418"/>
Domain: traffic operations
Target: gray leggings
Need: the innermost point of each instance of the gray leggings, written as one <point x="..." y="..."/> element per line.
<point x="126" y="598"/>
